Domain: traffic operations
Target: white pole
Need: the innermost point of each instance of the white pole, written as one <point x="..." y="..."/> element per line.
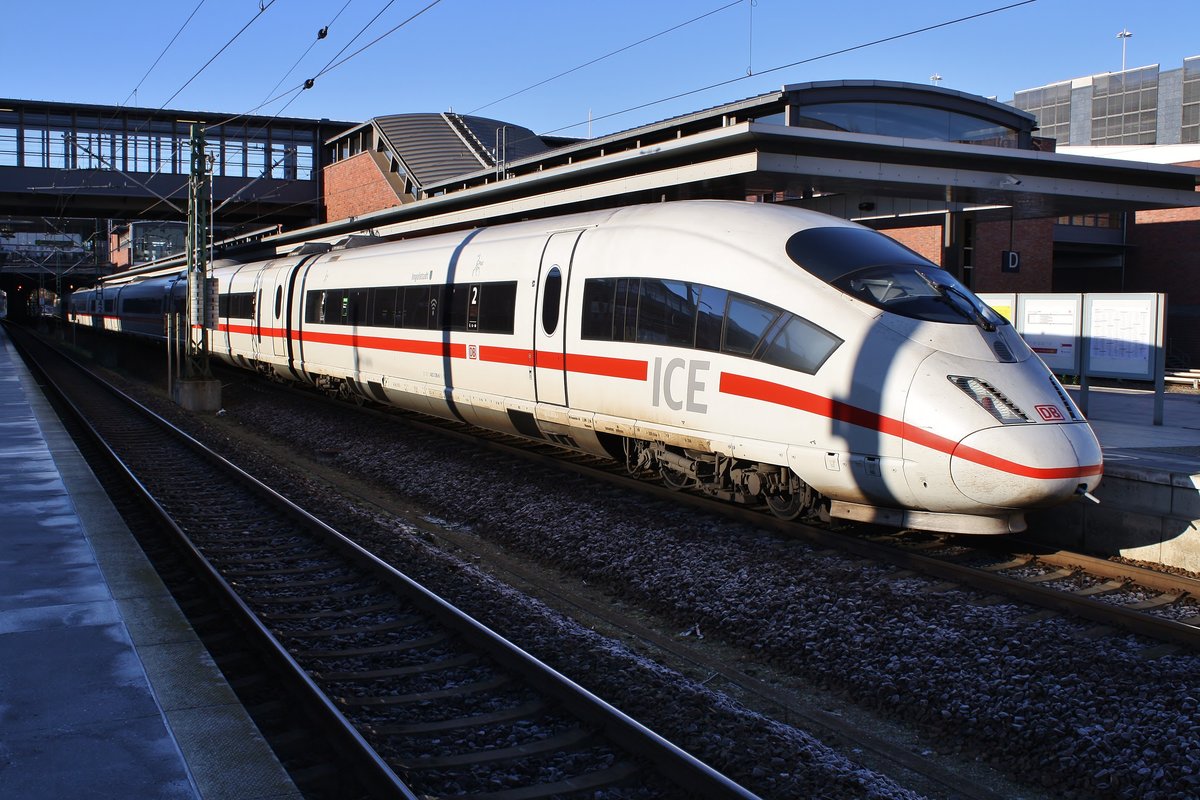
<point x="1124" y="37"/>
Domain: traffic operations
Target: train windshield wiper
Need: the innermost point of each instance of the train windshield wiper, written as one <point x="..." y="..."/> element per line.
<point x="960" y="301"/>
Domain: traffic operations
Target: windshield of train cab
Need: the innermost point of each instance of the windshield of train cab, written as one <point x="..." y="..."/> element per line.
<point x="884" y="273"/>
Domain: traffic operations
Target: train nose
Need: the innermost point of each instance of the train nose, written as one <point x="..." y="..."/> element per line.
<point x="1022" y="466"/>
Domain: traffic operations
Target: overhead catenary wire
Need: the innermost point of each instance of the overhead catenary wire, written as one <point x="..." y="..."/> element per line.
<point x="332" y="64"/>
<point x="321" y="34"/>
<point x="264" y="5"/>
<point x="801" y="62"/>
<point x="116" y="111"/>
<point x="179" y="32"/>
<point x="610" y="54"/>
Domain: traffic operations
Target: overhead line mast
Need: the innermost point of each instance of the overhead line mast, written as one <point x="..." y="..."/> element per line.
<point x="197" y="391"/>
<point x="199" y="238"/>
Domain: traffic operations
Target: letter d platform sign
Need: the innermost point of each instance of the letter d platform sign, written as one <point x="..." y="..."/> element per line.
<point x="1010" y="261"/>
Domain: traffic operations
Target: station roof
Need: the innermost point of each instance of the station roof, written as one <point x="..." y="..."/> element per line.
<point x="786" y="147"/>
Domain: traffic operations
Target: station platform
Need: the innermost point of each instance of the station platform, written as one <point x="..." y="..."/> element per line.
<point x="1149" y="506"/>
<point x="105" y="691"/>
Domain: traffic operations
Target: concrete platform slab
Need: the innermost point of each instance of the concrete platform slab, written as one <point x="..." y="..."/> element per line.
<point x="1150" y="495"/>
<point x="105" y="690"/>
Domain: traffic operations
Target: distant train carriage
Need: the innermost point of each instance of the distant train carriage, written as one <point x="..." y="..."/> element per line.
<point x="754" y="352"/>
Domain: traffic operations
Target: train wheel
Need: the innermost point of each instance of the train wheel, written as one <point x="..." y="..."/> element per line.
<point x="791" y="502"/>
<point x="785" y="506"/>
<point x="676" y="480"/>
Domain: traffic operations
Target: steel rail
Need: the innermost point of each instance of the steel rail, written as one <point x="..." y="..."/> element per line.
<point x="674" y="763"/>
<point x="1084" y="606"/>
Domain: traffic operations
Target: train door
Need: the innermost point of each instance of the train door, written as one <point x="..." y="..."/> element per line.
<point x="262" y="314"/>
<point x="550" y="324"/>
<point x="278" y="310"/>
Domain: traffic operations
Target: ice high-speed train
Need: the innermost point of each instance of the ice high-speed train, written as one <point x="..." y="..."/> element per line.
<point x="759" y="353"/>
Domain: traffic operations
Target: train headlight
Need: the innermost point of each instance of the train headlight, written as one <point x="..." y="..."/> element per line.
<point x="989" y="399"/>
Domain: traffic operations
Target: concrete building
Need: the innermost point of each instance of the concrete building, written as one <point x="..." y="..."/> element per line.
<point x="1149" y="115"/>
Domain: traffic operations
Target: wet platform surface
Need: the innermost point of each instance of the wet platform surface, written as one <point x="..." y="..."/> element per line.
<point x="105" y="691"/>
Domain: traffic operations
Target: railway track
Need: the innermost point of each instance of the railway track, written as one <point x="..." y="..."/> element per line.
<point x="870" y="547"/>
<point x="1153" y="603"/>
<point x="960" y="561"/>
<point x="424" y="700"/>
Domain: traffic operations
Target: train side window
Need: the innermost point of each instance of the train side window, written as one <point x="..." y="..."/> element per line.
<point x="552" y="301"/>
<point x="383" y="306"/>
<point x="745" y="324"/>
<point x="312" y="305"/>
<point x="236" y="305"/>
<point x="710" y="318"/>
<point x="801" y="345"/>
<point x="437" y="297"/>
<point x="497" y="307"/>
<point x="457" y="305"/>
<point x="358" y="308"/>
<point x="667" y="313"/>
<point x="415" y="307"/>
<point x="598" y="306"/>
<point x="625" y="306"/>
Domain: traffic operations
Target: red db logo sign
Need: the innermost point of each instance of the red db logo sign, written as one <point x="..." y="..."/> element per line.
<point x="1050" y="413"/>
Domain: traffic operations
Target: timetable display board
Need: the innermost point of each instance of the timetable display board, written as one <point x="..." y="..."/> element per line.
<point x="1124" y="334"/>
<point x="1052" y="324"/>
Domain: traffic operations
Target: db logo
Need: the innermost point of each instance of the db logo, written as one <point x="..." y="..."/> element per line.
<point x="473" y="351"/>
<point x="1050" y="413"/>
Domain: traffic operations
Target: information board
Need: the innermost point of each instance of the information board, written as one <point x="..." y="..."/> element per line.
<point x="1051" y="324"/>
<point x="1003" y="303"/>
<point x="1124" y="334"/>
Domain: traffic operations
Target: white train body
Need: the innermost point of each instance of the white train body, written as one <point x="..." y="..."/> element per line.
<point x="756" y="352"/>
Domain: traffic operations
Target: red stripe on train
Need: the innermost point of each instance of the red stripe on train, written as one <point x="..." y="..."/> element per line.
<point x="767" y="391"/>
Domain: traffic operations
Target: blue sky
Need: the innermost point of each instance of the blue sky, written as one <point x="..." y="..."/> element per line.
<point x="466" y="54"/>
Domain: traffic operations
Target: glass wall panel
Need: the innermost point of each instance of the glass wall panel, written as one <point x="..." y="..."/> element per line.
<point x="234" y="161"/>
<point x="304" y="162"/>
<point x="910" y="121"/>
<point x="279" y="161"/>
<point x="1125" y="107"/>
<point x="256" y="159"/>
<point x="8" y="147"/>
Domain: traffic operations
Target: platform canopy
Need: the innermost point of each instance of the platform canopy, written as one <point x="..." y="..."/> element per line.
<point x="880" y="152"/>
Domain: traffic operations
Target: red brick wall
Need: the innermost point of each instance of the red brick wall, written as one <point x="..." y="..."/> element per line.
<point x="926" y="240"/>
<point x="354" y="187"/>
<point x="1165" y="257"/>
<point x="1032" y="238"/>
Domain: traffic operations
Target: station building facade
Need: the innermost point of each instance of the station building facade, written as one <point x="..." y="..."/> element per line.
<point x="1064" y="244"/>
<point x="1148" y="114"/>
<point x="964" y="180"/>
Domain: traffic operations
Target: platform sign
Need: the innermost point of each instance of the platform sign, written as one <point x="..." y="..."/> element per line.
<point x="1003" y="303"/>
<point x="1124" y="334"/>
<point x="1051" y="325"/>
